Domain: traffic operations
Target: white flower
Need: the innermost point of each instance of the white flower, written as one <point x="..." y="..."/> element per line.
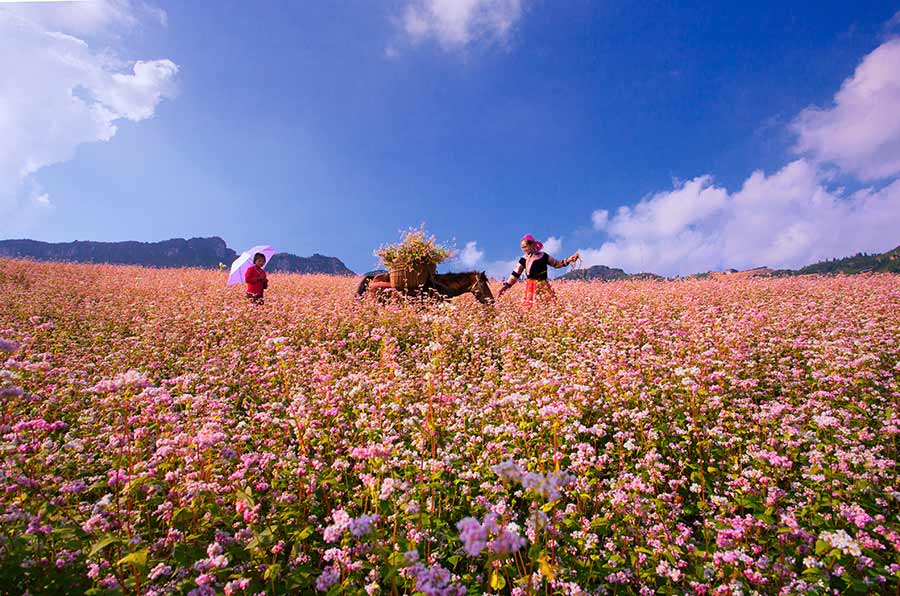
<point x="843" y="541"/>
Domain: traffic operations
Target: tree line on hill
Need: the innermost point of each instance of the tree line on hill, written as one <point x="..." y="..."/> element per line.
<point x="888" y="262"/>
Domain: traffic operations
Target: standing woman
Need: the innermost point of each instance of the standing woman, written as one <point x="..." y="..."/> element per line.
<point x="534" y="264"/>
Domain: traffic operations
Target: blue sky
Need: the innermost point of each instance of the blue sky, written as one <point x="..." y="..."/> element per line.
<point x="328" y="127"/>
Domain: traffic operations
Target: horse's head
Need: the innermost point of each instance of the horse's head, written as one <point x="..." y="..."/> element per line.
<point x="482" y="289"/>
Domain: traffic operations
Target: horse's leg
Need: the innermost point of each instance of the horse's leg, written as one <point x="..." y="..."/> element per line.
<point x="363" y="286"/>
<point x="379" y="295"/>
<point x="386" y="295"/>
<point x="442" y="291"/>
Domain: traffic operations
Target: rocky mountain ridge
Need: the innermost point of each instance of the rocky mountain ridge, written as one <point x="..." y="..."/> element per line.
<point x="207" y="253"/>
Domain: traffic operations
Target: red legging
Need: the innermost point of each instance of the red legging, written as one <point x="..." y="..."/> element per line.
<point x="541" y="288"/>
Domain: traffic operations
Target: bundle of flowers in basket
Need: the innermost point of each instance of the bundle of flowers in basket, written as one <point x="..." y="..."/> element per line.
<point x="412" y="260"/>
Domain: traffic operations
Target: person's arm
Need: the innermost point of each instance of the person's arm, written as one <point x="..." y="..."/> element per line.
<point x="251" y="275"/>
<point x="556" y="263"/>
<point x="513" y="278"/>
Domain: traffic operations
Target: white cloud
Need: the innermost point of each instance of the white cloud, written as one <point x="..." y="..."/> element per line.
<point x="600" y="218"/>
<point x="668" y="213"/>
<point x="76" y="18"/>
<point x="788" y="219"/>
<point x="65" y="94"/>
<point x="135" y="95"/>
<point x="553" y="245"/>
<point x="861" y="132"/>
<point x="500" y="269"/>
<point x="458" y="23"/>
<point x="470" y="256"/>
<point x="88" y="17"/>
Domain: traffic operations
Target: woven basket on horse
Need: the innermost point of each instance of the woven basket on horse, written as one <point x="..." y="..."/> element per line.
<point x="405" y="277"/>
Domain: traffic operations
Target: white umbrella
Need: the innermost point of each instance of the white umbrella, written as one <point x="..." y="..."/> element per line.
<point x="245" y="261"/>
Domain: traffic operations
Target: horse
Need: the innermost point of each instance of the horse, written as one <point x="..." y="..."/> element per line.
<point x="443" y="285"/>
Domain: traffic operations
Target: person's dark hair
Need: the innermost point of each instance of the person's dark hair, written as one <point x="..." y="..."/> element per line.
<point x="259" y="255"/>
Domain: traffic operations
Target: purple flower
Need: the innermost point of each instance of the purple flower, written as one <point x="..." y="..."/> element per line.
<point x="328" y="578"/>
<point x="507" y="541"/>
<point x="473" y="536"/>
<point x="362" y="525"/>
<point x="117" y="478"/>
<point x="434" y="580"/>
<point x="159" y="571"/>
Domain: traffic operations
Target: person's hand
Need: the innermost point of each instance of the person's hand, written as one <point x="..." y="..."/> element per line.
<point x="572" y="259"/>
<point x="502" y="290"/>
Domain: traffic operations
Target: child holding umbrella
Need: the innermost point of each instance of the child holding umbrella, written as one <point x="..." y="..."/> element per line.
<point x="256" y="279"/>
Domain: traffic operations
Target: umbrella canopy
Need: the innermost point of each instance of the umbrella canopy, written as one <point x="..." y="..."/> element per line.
<point x="245" y="261"/>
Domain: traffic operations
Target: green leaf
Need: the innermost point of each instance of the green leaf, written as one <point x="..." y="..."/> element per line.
<point x="266" y="537"/>
<point x="272" y="571"/>
<point x="545" y="567"/>
<point x="138" y="558"/>
<point x="103" y="543"/>
<point x="64" y="533"/>
<point x="860" y="586"/>
<point x="822" y="547"/>
<point x="498" y="582"/>
<point x="305" y="533"/>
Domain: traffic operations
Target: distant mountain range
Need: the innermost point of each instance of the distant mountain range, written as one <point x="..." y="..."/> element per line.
<point x="888" y="262"/>
<point x="317" y="263"/>
<point x="197" y="252"/>
<point x="604" y="273"/>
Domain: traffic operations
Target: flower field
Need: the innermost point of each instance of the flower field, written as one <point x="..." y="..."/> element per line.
<point x="162" y="436"/>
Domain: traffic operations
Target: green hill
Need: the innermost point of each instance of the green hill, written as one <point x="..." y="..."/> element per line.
<point x="888" y="262"/>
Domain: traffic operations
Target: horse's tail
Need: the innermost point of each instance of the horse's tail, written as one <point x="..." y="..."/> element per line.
<point x="364" y="285"/>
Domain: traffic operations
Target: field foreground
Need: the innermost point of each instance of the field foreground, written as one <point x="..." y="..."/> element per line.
<point x="161" y="436"/>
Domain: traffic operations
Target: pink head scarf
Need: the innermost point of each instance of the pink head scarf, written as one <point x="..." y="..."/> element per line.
<point x="538" y="246"/>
